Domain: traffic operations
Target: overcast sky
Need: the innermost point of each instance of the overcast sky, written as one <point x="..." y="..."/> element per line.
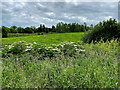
<point x="50" y="13"/>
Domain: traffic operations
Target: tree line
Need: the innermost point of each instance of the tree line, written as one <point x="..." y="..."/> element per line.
<point x="59" y="28"/>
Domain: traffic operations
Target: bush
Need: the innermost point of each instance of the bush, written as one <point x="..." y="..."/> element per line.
<point x="21" y="47"/>
<point x="40" y="33"/>
<point x="106" y="30"/>
<point x="4" y="31"/>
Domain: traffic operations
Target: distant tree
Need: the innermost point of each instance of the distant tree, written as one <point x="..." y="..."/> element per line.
<point x="4" y="31"/>
<point x="28" y="30"/>
<point x="13" y="29"/>
<point x="85" y="26"/>
<point x="46" y="30"/>
<point x="40" y="29"/>
<point x="59" y="27"/>
<point x="53" y="28"/>
<point x="20" y="30"/>
<point x="43" y="28"/>
<point x="73" y="27"/>
<point x="33" y="28"/>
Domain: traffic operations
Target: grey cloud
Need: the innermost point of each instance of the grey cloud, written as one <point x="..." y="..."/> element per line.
<point x="50" y="13"/>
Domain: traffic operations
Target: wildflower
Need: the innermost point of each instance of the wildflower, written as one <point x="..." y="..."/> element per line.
<point x="75" y="45"/>
<point x="10" y="46"/>
<point x="71" y="42"/>
<point x="54" y="49"/>
<point x="34" y="42"/>
<point x="49" y="47"/>
<point x="39" y="48"/>
<point x="27" y="50"/>
<point x="82" y="50"/>
<point x="29" y="46"/>
<point x="77" y="49"/>
<point x="61" y="45"/>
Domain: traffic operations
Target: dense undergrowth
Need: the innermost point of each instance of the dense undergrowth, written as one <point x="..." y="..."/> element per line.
<point x="71" y="65"/>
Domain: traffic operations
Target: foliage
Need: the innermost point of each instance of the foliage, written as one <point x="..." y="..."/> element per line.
<point x="106" y="30"/>
<point x="97" y="67"/>
<point x="59" y="28"/>
<point x="5" y="31"/>
<point x="21" y="47"/>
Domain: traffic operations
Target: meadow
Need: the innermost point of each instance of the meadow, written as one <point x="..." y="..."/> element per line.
<point x="68" y="63"/>
<point x="54" y="38"/>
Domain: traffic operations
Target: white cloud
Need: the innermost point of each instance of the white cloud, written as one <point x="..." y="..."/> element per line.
<point x="108" y="17"/>
<point x="60" y="21"/>
<point x="41" y="5"/>
<point x="50" y="13"/>
<point x="48" y="19"/>
<point x="26" y="13"/>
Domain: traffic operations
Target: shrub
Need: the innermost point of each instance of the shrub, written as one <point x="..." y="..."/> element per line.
<point x="106" y="30"/>
<point x="40" y="33"/>
<point x="5" y="31"/>
<point x="64" y="48"/>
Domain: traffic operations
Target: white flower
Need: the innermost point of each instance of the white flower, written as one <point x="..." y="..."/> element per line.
<point x="53" y="44"/>
<point x="71" y="42"/>
<point x="29" y="46"/>
<point x="82" y="50"/>
<point x="77" y="49"/>
<point x="34" y="42"/>
<point x="61" y="45"/>
<point x="13" y="43"/>
<point x="75" y="45"/>
<point x="10" y="46"/>
<point x="54" y="49"/>
<point x="49" y="47"/>
<point x="39" y="48"/>
<point x="27" y="49"/>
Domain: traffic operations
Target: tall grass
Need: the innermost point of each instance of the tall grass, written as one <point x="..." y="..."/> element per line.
<point x="96" y="68"/>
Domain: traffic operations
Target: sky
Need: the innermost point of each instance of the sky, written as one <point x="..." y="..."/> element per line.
<point x="26" y="14"/>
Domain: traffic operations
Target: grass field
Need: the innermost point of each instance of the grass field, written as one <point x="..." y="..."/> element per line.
<point x="96" y="67"/>
<point x="54" y="38"/>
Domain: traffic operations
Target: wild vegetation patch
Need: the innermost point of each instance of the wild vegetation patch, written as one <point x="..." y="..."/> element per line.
<point x="96" y="67"/>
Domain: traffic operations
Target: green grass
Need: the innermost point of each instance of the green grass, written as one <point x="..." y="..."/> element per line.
<point x="21" y="34"/>
<point x="54" y="38"/>
<point x="96" y="68"/>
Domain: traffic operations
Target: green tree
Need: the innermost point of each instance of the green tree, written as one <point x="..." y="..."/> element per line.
<point x="4" y="31"/>
<point x="33" y="28"/>
<point x="28" y="30"/>
<point x="20" y="30"/>
<point x="53" y="28"/>
<point x="13" y="29"/>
